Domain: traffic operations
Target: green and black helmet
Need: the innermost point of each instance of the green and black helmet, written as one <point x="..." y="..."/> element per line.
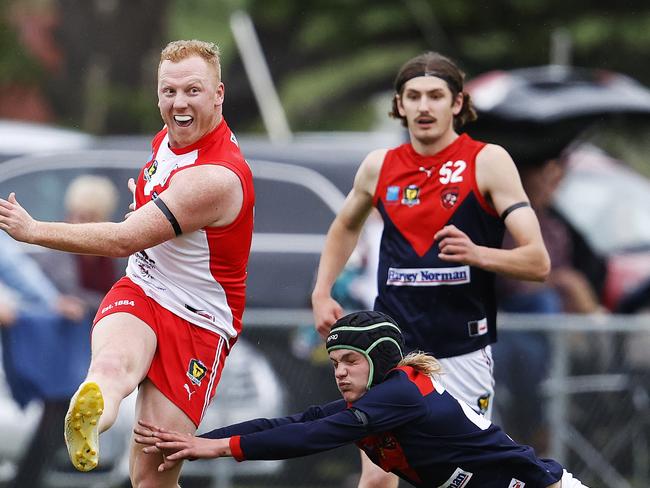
<point x="373" y="334"/>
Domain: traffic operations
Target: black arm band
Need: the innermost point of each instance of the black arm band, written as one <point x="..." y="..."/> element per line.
<point x="170" y="216"/>
<point x="512" y="208"/>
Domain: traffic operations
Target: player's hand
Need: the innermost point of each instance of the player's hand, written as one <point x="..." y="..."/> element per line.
<point x="146" y="434"/>
<point x="456" y="247"/>
<point x="176" y="446"/>
<point x="149" y="435"/>
<point x="326" y="312"/>
<point x="131" y="185"/>
<point x="15" y="220"/>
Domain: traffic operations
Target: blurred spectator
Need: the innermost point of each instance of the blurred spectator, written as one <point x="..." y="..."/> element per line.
<point x="46" y="335"/>
<point x="522" y="358"/>
<point x="88" y="198"/>
<point x="43" y="342"/>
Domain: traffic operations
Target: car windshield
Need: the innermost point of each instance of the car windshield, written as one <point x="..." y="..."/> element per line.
<point x="606" y="191"/>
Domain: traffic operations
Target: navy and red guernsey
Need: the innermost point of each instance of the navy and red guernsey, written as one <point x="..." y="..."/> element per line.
<point x="408" y="424"/>
<point x="444" y="308"/>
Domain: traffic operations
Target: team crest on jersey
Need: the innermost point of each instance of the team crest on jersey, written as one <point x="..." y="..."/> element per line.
<point x="196" y="371"/>
<point x="150" y="170"/>
<point x="411" y="195"/>
<point x="449" y="197"/>
<point x="483" y="403"/>
<point x="392" y="193"/>
<point x="515" y="483"/>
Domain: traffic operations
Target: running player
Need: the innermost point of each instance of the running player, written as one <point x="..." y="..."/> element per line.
<point x="167" y="326"/>
<point x="394" y="408"/>
<point x="445" y="200"/>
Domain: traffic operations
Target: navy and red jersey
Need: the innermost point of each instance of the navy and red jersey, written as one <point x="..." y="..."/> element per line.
<point x="409" y="425"/>
<point x="444" y="308"/>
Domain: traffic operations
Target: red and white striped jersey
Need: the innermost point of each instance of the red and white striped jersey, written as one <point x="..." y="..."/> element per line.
<point x="199" y="276"/>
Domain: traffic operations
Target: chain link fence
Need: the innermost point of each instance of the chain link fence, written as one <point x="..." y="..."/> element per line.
<point x="590" y="410"/>
<point x="594" y="396"/>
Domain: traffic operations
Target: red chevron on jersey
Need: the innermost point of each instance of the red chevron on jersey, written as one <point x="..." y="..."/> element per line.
<point x="421" y="193"/>
<point x="423" y="382"/>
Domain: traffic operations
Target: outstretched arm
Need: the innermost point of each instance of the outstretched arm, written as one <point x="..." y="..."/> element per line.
<point x="197" y="197"/>
<point x="316" y="430"/>
<point x="383" y="408"/>
<point x="498" y="180"/>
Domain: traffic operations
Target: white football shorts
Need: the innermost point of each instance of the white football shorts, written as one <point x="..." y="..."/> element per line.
<point x="470" y="378"/>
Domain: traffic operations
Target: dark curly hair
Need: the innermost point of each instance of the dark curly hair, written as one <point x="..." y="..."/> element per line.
<point x="434" y="64"/>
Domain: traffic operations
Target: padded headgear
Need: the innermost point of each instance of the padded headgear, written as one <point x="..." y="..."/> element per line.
<point x="373" y="334"/>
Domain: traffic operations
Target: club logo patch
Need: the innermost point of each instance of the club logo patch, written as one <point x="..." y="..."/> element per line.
<point x="449" y="197"/>
<point x="392" y="193"/>
<point x="196" y="371"/>
<point x="151" y="170"/>
<point x="483" y="403"/>
<point x="411" y="195"/>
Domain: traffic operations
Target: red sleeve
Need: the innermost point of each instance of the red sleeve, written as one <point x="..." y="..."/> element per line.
<point x="235" y="448"/>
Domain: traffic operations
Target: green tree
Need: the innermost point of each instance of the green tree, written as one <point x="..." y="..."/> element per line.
<point x="329" y="57"/>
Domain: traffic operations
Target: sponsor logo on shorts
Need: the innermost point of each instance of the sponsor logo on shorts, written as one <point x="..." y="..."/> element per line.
<point x="515" y="483"/>
<point x="189" y="392"/>
<point x="196" y="371"/>
<point x="483" y="403"/>
<point x="458" y="275"/>
<point x="459" y="479"/>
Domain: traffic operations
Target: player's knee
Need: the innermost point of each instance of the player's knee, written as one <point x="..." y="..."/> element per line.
<point x="112" y="365"/>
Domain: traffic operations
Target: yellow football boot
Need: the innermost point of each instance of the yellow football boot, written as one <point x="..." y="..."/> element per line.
<point x="82" y="426"/>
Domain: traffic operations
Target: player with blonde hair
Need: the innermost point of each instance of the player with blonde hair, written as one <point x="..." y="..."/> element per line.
<point x="395" y="409"/>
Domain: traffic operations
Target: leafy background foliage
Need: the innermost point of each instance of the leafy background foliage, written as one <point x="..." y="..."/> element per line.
<point x="329" y="58"/>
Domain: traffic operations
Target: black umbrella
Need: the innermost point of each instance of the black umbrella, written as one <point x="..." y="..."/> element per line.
<point x="536" y="112"/>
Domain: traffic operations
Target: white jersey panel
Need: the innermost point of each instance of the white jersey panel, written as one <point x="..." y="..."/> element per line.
<point x="177" y="273"/>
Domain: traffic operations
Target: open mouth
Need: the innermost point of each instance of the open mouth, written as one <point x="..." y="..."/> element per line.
<point x="183" y="120"/>
<point x="425" y="121"/>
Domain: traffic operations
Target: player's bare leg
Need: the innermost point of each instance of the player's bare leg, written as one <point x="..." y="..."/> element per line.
<point x="372" y="476"/>
<point x="122" y="348"/>
<point x="152" y="405"/>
